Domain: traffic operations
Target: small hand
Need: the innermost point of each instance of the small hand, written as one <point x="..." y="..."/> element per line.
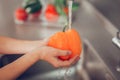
<point x="51" y="54"/>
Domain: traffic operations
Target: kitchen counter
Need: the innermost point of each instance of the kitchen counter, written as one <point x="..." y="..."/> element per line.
<point x="89" y="22"/>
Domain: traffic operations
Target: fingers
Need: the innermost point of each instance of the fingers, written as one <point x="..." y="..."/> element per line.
<point x="76" y="58"/>
<point x="62" y="53"/>
<point x="59" y="63"/>
<point x="70" y="62"/>
<point x="56" y="62"/>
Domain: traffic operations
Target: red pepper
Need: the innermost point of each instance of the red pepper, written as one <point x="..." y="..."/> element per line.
<point x="51" y="13"/>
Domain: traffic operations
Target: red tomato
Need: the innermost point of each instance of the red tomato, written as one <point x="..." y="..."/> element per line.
<point x="21" y="14"/>
<point x="51" y="7"/>
<point x="51" y="13"/>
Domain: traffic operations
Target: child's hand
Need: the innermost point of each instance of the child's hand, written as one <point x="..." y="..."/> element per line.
<point x="50" y="55"/>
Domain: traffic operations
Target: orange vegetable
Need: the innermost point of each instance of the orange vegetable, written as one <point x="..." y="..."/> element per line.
<point x="68" y="40"/>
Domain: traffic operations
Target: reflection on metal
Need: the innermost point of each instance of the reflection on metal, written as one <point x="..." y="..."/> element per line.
<point x="118" y="67"/>
<point x="116" y="40"/>
<point x="118" y="35"/>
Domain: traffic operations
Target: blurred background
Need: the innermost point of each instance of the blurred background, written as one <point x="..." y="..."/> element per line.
<point x="97" y="21"/>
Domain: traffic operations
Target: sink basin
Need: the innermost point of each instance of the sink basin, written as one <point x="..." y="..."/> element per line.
<point x="94" y="65"/>
<point x="89" y="67"/>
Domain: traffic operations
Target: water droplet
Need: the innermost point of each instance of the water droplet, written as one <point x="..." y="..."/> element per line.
<point x="59" y="73"/>
<point x="67" y="74"/>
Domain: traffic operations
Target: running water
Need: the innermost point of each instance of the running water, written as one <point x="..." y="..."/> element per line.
<point x="70" y="13"/>
<point x="59" y="73"/>
<point x="64" y="74"/>
<point x="67" y="73"/>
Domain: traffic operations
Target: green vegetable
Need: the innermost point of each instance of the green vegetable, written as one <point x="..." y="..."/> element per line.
<point x="33" y="8"/>
<point x="60" y="4"/>
<point x="28" y="3"/>
<point x="60" y="11"/>
<point x="75" y="6"/>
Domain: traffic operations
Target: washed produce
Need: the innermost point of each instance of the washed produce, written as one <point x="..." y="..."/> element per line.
<point x="67" y="40"/>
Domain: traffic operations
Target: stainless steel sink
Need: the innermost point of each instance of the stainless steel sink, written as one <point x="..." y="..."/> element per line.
<point x="89" y="67"/>
<point x="100" y="56"/>
<point x="94" y="65"/>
